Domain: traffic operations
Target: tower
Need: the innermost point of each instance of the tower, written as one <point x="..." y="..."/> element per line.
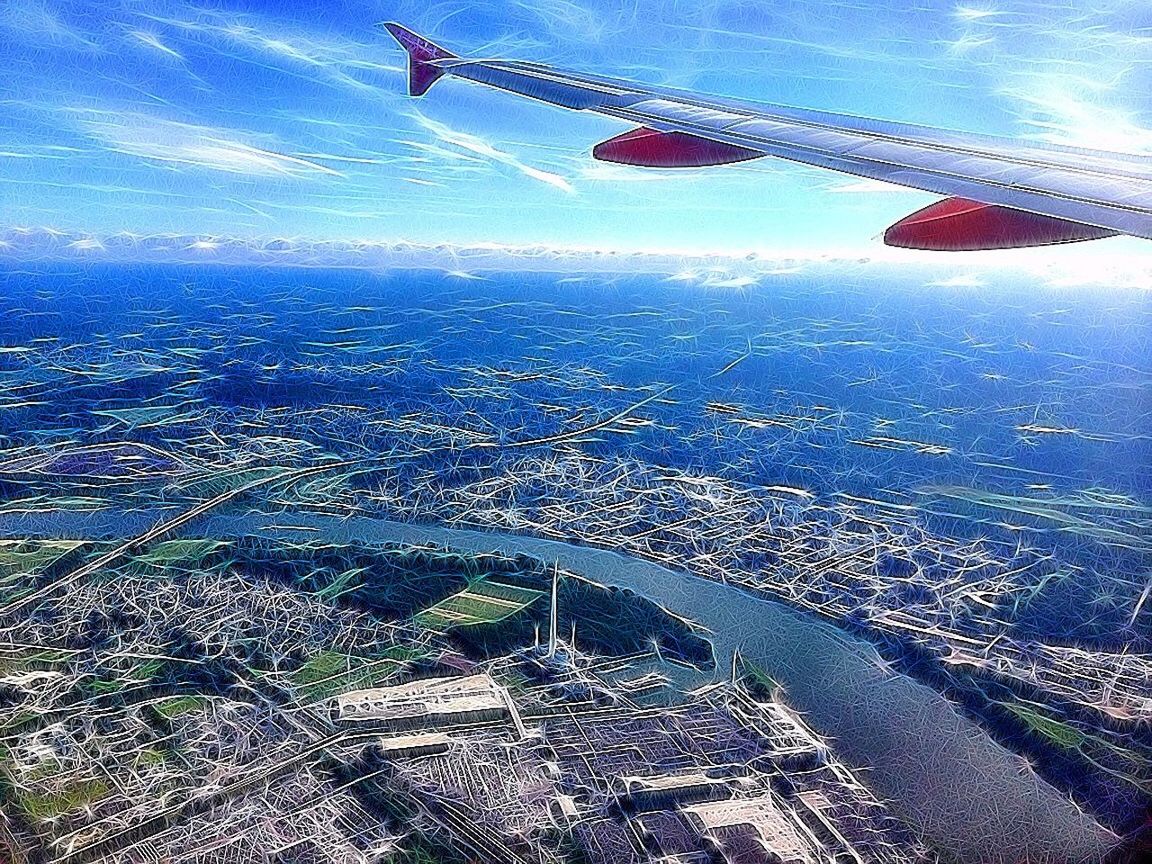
<point x="554" y="612"/>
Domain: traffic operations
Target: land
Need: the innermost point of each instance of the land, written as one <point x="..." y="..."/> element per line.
<point x="201" y="701"/>
<point x="175" y="693"/>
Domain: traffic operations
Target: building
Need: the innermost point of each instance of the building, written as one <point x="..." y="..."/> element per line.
<point x="747" y="823"/>
<point x="671" y="790"/>
<point x="427" y="703"/>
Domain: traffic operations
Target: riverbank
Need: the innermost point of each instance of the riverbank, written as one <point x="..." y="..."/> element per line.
<point x="969" y="796"/>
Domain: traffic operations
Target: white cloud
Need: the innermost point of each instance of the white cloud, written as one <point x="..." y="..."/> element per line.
<point x="1076" y="73"/>
<point x="975" y="13"/>
<point x="328" y="58"/>
<point x="716" y="280"/>
<point x="478" y="146"/>
<point x="968" y="43"/>
<point x="614" y="173"/>
<point x="35" y="21"/>
<point x="865" y="186"/>
<point x="963" y="280"/>
<point x="1063" y="118"/>
<point x="153" y="41"/>
<point x="188" y="144"/>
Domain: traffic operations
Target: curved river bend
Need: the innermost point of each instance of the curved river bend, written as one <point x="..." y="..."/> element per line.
<point x="970" y="797"/>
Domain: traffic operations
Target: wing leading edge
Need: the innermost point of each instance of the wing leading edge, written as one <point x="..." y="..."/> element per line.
<point x="1000" y="193"/>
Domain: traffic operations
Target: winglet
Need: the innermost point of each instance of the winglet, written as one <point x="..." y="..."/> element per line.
<point x="422" y="74"/>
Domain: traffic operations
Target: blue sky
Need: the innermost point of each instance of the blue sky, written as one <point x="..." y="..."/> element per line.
<point x="288" y="118"/>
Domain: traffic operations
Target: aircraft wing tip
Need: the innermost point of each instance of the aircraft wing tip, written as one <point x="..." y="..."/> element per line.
<point x="421" y="73"/>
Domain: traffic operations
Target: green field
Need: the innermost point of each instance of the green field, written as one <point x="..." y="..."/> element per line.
<point x="482" y="602"/>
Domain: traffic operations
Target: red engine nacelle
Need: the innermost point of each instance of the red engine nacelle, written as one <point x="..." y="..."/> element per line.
<point x="654" y="149"/>
<point x="957" y="224"/>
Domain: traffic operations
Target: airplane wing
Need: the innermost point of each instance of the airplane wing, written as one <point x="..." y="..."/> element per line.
<point x="1001" y="193"/>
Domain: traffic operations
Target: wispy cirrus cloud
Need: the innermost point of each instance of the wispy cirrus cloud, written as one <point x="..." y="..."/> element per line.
<point x="1071" y="74"/>
<point x="1062" y="117"/>
<point x="479" y="147"/>
<point x="864" y="186"/>
<point x="614" y="173"/>
<point x="976" y="13"/>
<point x="189" y="144"/>
<point x="246" y="37"/>
<point x="153" y="41"/>
<point x="37" y="22"/>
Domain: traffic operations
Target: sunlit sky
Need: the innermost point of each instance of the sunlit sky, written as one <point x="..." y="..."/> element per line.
<point x="289" y="117"/>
